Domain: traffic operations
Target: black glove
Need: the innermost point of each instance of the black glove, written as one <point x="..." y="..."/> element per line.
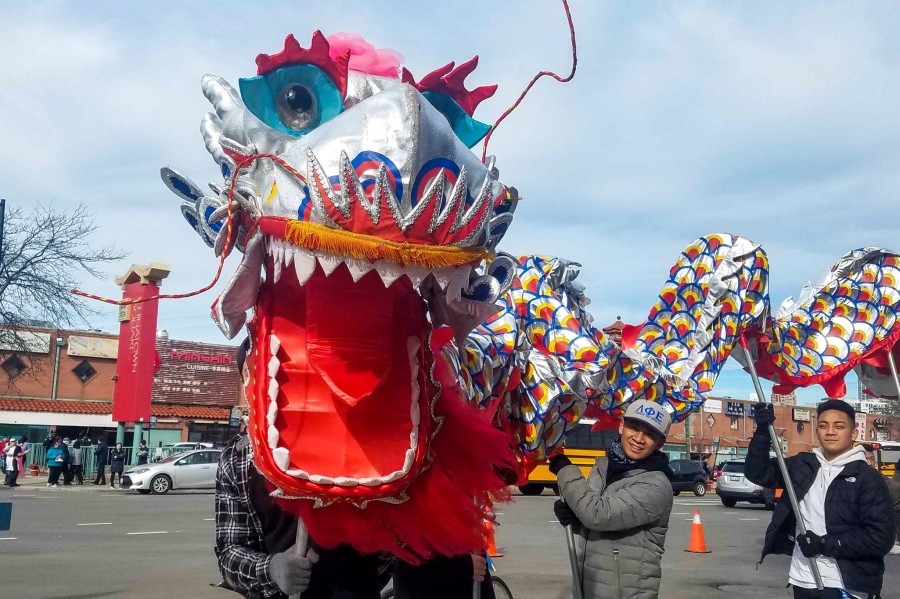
<point x="290" y="572"/>
<point x="811" y="544"/>
<point x="764" y="415"/>
<point x="564" y="513"/>
<point x="558" y="462"/>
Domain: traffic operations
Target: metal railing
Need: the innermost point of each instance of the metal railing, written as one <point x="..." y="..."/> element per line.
<point x="38" y="455"/>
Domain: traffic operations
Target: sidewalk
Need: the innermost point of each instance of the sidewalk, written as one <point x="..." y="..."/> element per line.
<point x="40" y="481"/>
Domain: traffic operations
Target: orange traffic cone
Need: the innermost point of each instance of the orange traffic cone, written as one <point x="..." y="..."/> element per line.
<point x="489" y="538"/>
<point x="698" y="543"/>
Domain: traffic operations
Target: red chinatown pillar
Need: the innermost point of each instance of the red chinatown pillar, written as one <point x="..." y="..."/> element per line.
<point x="136" y="359"/>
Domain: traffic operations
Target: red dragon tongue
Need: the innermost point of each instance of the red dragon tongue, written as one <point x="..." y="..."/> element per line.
<point x="348" y="336"/>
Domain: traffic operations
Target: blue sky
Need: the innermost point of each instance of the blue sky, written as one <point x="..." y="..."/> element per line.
<point x="776" y="121"/>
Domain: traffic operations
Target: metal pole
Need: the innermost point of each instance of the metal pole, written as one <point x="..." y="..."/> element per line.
<point x="893" y="366"/>
<point x="577" y="591"/>
<point x="300" y="545"/>
<point x="136" y="442"/>
<point x="779" y="455"/>
<point x="476" y="589"/>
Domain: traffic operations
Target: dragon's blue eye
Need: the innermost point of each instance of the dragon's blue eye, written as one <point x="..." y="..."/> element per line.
<point x="294" y="99"/>
<point x="468" y="130"/>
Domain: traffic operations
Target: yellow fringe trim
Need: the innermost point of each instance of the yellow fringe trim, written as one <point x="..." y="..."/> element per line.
<point x="371" y="248"/>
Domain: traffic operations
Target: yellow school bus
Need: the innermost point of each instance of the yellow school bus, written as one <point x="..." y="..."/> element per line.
<point x="887" y="453"/>
<point x="582" y="448"/>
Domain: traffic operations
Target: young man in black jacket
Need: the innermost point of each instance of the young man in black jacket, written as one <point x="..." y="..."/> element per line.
<point x="844" y="503"/>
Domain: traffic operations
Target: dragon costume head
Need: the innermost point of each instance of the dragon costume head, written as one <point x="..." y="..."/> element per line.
<point x="363" y="217"/>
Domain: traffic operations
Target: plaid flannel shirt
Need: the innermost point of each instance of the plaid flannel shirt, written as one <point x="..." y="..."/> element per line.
<point x="240" y="549"/>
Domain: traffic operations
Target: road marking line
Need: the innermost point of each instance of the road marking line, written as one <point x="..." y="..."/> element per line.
<point x="16" y="496"/>
<point x="150" y="532"/>
<point x="9" y="538"/>
<point x="48" y="497"/>
<point x="95" y="524"/>
<point x="553" y="521"/>
<point x="679" y="513"/>
<point x="748" y="519"/>
<point x="209" y="519"/>
<point x="729" y="513"/>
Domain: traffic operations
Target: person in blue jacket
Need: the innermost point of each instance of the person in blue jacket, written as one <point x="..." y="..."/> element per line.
<point x="55" y="460"/>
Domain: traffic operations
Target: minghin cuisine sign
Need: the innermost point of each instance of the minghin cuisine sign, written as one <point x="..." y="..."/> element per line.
<point x="190" y="356"/>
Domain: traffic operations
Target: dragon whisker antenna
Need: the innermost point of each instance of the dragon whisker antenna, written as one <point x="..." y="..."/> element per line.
<point x="245" y="163"/>
<point x="534" y="80"/>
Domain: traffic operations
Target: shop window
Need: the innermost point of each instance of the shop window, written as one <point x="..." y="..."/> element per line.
<point x="14" y="366"/>
<point x="84" y="371"/>
<point x="734" y="423"/>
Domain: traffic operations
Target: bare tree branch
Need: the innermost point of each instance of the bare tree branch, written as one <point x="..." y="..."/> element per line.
<point x="46" y="253"/>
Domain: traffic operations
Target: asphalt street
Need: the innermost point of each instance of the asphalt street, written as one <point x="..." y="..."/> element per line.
<point x="90" y="542"/>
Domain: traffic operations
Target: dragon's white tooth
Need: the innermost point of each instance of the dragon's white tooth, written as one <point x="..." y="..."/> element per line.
<point x="321" y="480"/>
<point x="297" y="473"/>
<point x="289" y="255"/>
<point x="414" y="438"/>
<point x="346" y="481"/>
<point x="274" y="344"/>
<point x="304" y="265"/>
<point x="396" y="475"/>
<point x="282" y="458"/>
<point x="274" y="365"/>
<point x="458" y="282"/>
<point x="273" y="437"/>
<point x="414" y="413"/>
<point x="443" y="276"/>
<point x="358" y="268"/>
<point x="410" y="458"/>
<point x="329" y="262"/>
<point x="276" y="269"/>
<point x="272" y="413"/>
<point x="273" y="390"/>
<point x="371" y="481"/>
<point x="388" y="272"/>
<point x="416" y="275"/>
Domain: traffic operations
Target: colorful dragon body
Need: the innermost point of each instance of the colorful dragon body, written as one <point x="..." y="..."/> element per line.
<point x="401" y="366"/>
<point x="849" y="320"/>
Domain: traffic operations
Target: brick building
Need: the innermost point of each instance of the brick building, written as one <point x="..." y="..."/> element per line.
<point x="64" y="380"/>
<point x="723" y="427"/>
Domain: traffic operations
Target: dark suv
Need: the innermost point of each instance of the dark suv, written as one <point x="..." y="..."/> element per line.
<point x="688" y="475"/>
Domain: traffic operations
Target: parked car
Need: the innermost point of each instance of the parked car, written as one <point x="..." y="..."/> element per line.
<point x="733" y="486"/>
<point x="195" y="469"/>
<point x="175" y="448"/>
<point x="688" y="475"/>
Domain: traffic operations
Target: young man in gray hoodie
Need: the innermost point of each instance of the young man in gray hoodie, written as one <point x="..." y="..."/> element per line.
<point x="620" y="514"/>
<point x="844" y="503"/>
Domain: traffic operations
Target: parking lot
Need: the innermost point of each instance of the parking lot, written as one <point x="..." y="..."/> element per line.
<point x="83" y="542"/>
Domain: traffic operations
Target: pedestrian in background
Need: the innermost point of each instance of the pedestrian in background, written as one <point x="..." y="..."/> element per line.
<point x="894" y="489"/>
<point x="116" y="465"/>
<point x="23" y="455"/>
<point x="3" y="443"/>
<point x="11" y="452"/>
<point x="54" y="464"/>
<point x="143" y="453"/>
<point x="67" y="462"/>
<point x="620" y="514"/>
<point x="844" y="504"/>
<point x="76" y="467"/>
<point x="101" y="452"/>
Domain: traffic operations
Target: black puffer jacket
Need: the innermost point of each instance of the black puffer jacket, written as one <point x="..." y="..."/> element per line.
<point x="859" y="519"/>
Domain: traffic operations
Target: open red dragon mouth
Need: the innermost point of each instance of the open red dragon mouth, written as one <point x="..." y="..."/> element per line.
<point x="341" y="361"/>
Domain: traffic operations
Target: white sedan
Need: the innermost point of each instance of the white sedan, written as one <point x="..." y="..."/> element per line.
<point x="194" y="469"/>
